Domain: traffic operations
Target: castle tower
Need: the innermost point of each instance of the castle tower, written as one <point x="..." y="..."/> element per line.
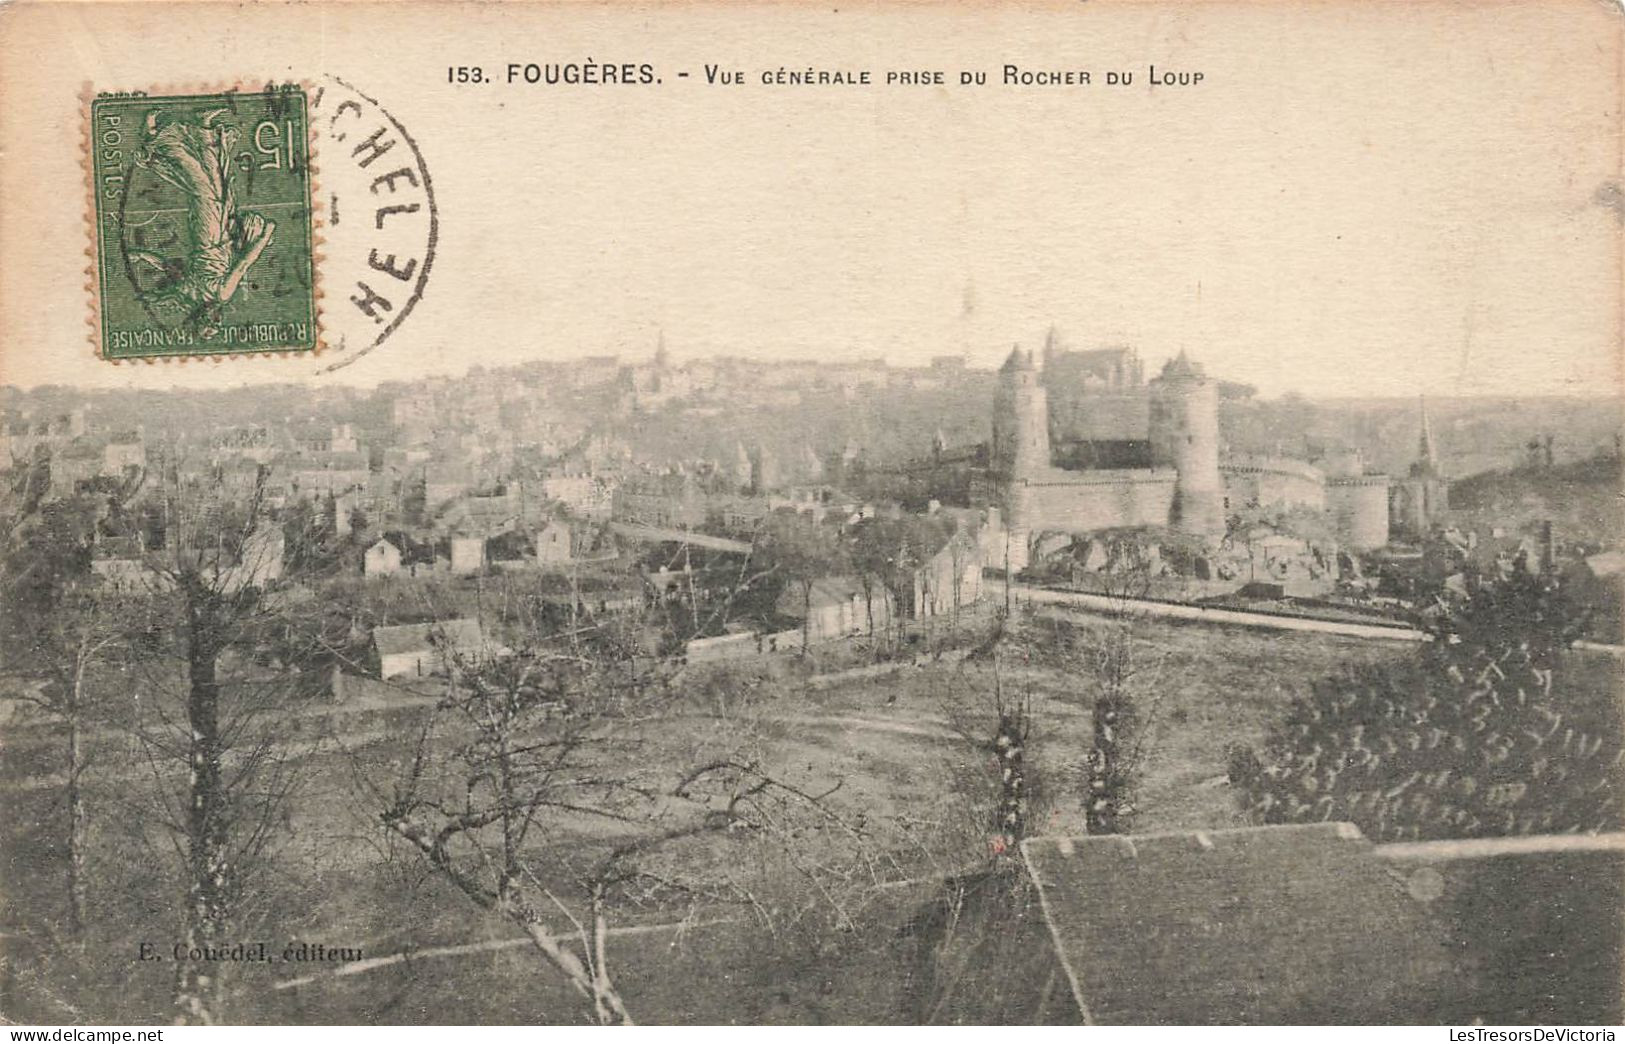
<point x="1020" y="420"/>
<point x="1185" y="436"/>
<point x="1358" y="505"/>
<point x="1019" y="452"/>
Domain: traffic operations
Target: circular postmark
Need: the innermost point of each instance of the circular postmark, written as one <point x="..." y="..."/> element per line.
<point x="381" y="224"/>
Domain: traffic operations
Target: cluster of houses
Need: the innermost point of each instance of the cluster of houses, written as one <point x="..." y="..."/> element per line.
<point x="441" y="503"/>
<point x="466" y="554"/>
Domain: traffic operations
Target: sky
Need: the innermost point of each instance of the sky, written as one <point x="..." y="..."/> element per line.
<point x="1358" y="199"/>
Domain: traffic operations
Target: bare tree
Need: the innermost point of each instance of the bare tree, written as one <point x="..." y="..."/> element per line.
<point x="546" y="788"/>
<point x="63" y="650"/>
<point x="219" y="684"/>
<point x="57" y="629"/>
<point x="974" y="938"/>
<point x="214" y="755"/>
<point x="511" y="769"/>
<point x="713" y="592"/>
<point x="893" y="551"/>
<point x="805" y="551"/>
<point x="1123" y="672"/>
<point x="71" y="642"/>
<point x="961" y="552"/>
<point x="1009" y="746"/>
<point x="995" y="715"/>
<point x="871" y="557"/>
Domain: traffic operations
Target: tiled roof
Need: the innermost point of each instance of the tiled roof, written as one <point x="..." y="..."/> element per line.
<point x="1293" y="925"/>
<point x="1281" y="925"/>
<point x="463" y="634"/>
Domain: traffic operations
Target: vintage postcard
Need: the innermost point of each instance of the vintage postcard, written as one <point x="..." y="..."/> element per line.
<point x="780" y="514"/>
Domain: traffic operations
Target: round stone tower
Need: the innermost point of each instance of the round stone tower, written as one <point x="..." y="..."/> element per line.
<point x="1359" y="510"/>
<point x="1185" y="437"/>
<point x="1020" y="420"/>
<point x="1019" y="453"/>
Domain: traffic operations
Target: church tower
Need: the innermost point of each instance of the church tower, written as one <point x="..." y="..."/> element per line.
<point x="1422" y="499"/>
<point x="1427" y="454"/>
<point x="1185" y="437"/>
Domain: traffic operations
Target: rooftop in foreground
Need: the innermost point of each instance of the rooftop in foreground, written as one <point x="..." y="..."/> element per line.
<point x="1316" y="925"/>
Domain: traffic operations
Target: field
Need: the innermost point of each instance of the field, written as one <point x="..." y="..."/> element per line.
<point x="905" y="749"/>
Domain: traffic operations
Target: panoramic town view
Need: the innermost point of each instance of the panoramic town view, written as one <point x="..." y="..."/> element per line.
<point x="670" y="687"/>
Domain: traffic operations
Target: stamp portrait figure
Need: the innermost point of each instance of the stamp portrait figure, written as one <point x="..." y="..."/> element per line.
<point x="222" y="241"/>
<point x="204" y="223"/>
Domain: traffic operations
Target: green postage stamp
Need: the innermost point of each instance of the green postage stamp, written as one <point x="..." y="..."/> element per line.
<point x="203" y="223"/>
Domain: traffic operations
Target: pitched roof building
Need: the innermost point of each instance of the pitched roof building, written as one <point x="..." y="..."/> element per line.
<point x="419" y="649"/>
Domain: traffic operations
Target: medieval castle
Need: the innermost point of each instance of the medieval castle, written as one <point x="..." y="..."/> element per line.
<point x="1084" y="443"/>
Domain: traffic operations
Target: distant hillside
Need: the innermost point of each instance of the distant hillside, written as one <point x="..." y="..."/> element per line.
<point x="1582" y="498"/>
<point x="1473" y="435"/>
<point x="892" y="423"/>
<point x="889" y="424"/>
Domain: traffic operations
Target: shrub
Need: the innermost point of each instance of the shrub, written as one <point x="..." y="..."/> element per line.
<point x="1478" y="736"/>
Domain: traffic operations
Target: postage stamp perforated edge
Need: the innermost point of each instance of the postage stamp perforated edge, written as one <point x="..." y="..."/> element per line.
<point x="88" y="94"/>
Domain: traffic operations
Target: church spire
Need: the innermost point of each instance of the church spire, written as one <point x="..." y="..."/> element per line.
<point x="1427" y="454"/>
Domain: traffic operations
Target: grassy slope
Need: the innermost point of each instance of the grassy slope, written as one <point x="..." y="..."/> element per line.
<point x="1582" y="498"/>
<point x="884" y="737"/>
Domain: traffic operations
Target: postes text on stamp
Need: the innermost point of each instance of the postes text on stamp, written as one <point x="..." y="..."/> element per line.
<point x="203" y="223"/>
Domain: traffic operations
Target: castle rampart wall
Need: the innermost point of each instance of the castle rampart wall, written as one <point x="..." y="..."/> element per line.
<point x="1085" y="501"/>
<point x="1273" y="482"/>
